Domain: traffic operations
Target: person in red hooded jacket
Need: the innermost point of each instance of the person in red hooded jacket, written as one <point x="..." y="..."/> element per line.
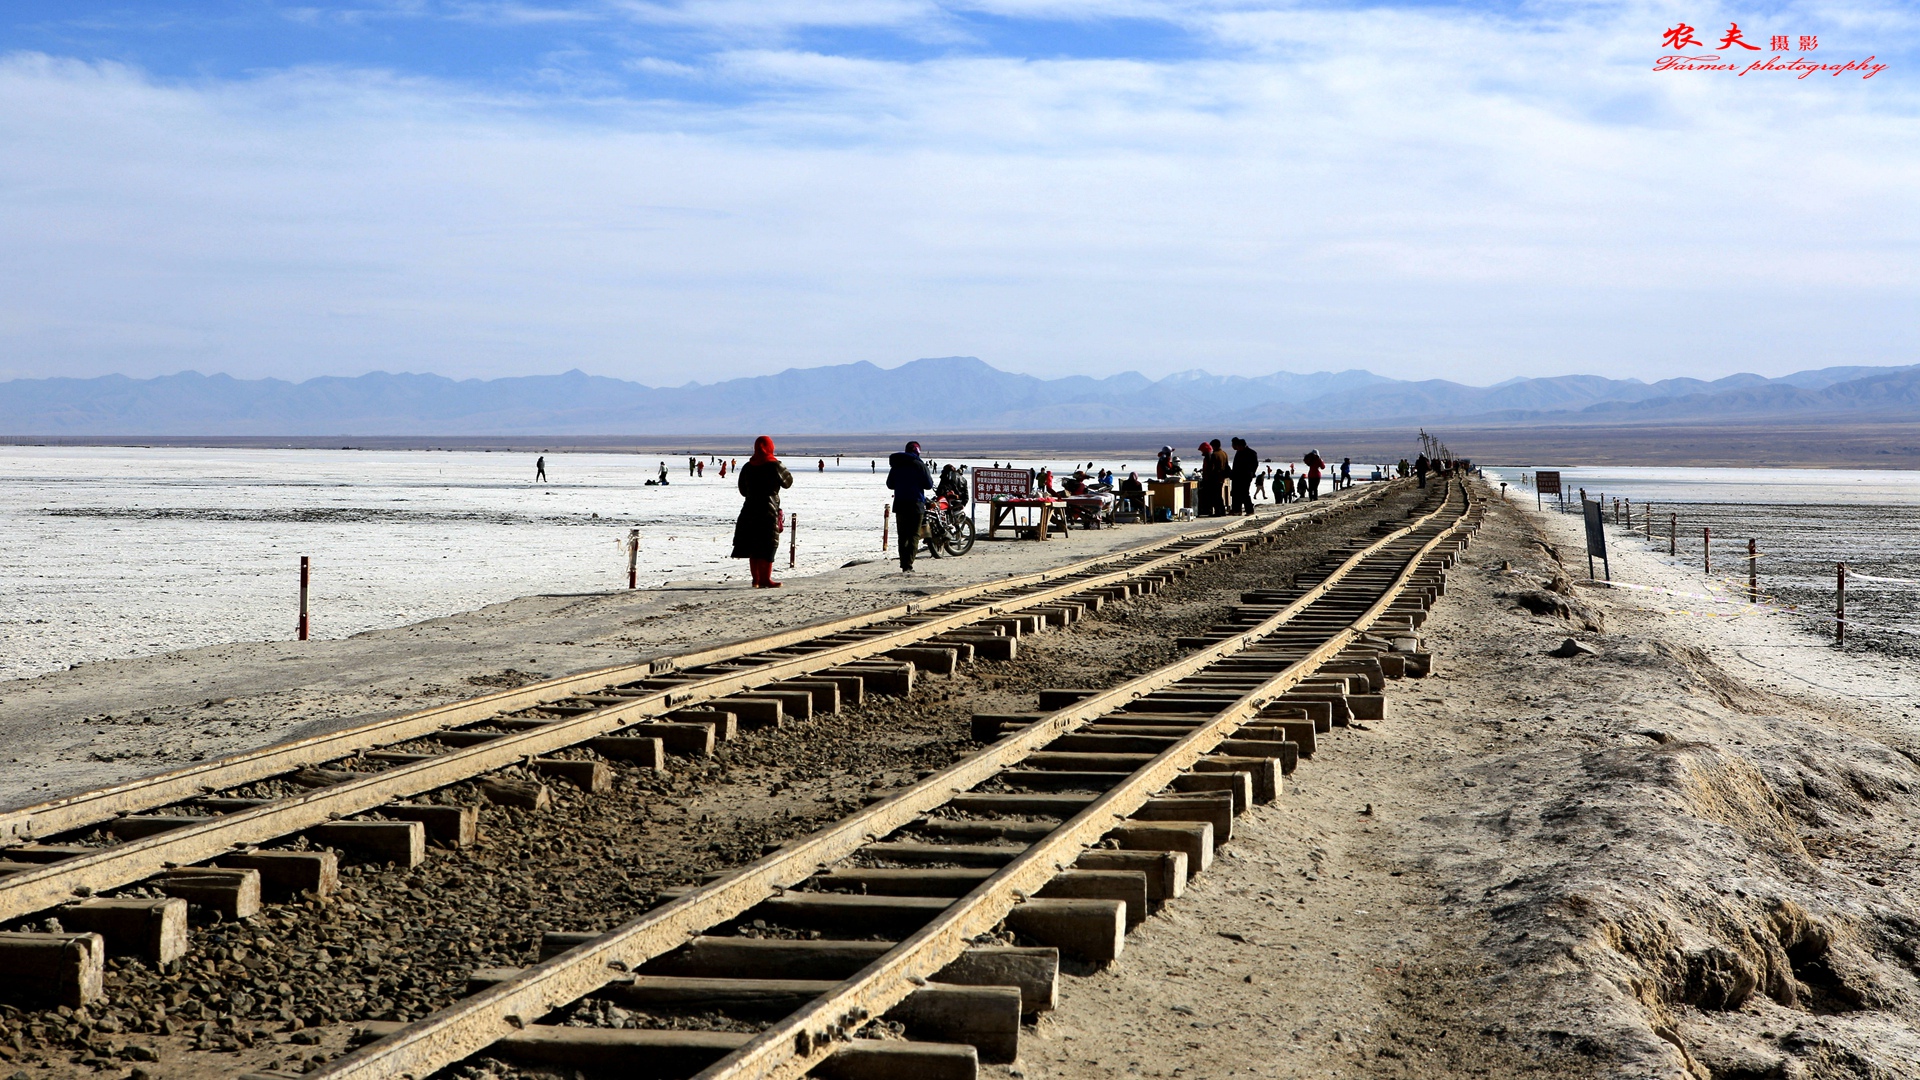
<point x="756" y="532"/>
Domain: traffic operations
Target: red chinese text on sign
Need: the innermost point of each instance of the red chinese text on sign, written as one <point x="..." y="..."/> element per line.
<point x="1733" y="38"/>
<point x="1679" y="37"/>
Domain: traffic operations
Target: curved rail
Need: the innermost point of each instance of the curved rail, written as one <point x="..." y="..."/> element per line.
<point x="1378" y="572"/>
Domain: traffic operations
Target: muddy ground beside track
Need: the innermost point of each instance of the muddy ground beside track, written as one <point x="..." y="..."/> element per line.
<point x="285" y="987"/>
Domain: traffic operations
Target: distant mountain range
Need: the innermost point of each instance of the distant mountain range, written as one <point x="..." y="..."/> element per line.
<point x="956" y="393"/>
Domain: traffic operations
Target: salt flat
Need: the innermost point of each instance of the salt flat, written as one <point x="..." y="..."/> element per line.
<point x="112" y="552"/>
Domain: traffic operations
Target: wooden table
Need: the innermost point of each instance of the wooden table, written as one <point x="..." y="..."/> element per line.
<point x="1050" y="513"/>
<point x="1171" y="495"/>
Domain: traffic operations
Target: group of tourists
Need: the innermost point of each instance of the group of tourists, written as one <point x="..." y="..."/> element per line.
<point x="1229" y="483"/>
<point x="1229" y="479"/>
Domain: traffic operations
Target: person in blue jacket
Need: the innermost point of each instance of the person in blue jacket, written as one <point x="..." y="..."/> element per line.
<point x="910" y="481"/>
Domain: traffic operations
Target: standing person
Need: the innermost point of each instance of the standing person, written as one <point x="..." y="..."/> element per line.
<point x="1206" y="500"/>
<point x="1222" y="476"/>
<point x="540" y="469"/>
<point x="690" y="465"/>
<point x="663" y="474"/>
<point x="1223" y="464"/>
<point x="1260" y="482"/>
<point x="1246" y="463"/>
<point x="1346" y="472"/>
<point x="700" y="468"/>
<point x="909" y="480"/>
<point x="1314" y="463"/>
<point x="823" y="464"/>
<point x="756" y="532"/>
<point x="1421" y="465"/>
<point x="952" y="487"/>
<point x="723" y="468"/>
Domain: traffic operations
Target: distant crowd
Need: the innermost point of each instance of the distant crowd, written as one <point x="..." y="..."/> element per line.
<point x="1228" y="481"/>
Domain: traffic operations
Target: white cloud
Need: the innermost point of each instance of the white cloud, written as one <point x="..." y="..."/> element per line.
<point x="1420" y="192"/>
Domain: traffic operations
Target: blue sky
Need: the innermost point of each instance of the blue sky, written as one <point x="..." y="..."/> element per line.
<point x="671" y="191"/>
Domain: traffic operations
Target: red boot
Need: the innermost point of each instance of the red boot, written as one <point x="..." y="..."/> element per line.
<point x="766" y="576"/>
<point x="760" y="569"/>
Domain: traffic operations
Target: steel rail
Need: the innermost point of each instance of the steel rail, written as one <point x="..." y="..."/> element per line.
<point x="788" y="1049"/>
<point x="475" y="1022"/>
<point x="144" y="793"/>
<point x="134" y="860"/>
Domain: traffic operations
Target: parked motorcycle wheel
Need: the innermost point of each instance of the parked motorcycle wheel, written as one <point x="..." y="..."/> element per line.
<point x="936" y="543"/>
<point x="960" y="536"/>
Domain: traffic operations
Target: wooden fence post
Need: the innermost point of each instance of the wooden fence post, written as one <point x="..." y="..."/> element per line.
<point x="1706" y="550"/>
<point x="1753" y="571"/>
<point x="303" y="597"/>
<point x="1840" y="605"/>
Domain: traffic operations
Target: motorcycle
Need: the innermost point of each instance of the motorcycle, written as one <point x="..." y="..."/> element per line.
<point x="946" y="530"/>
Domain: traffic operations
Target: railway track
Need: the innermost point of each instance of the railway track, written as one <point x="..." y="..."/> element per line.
<point x="942" y="912"/>
<point x="201" y="834"/>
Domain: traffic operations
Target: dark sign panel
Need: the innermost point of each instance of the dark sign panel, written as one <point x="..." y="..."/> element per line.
<point x="993" y="484"/>
<point x="1547" y="483"/>
<point x="1596" y="537"/>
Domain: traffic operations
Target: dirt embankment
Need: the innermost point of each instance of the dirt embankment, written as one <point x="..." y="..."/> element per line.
<point x="1720" y="873"/>
<point x="1623" y="864"/>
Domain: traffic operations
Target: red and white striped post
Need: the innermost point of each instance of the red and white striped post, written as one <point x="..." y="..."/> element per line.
<point x="633" y="558"/>
<point x="304" y="578"/>
<point x="886" y="515"/>
<point x="1753" y="571"/>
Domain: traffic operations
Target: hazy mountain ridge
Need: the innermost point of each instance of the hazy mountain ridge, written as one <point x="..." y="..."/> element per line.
<point x="942" y="394"/>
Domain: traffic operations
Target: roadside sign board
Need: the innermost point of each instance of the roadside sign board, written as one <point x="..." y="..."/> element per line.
<point x="1547" y="483"/>
<point x="990" y="484"/>
<point x="1596" y="537"/>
